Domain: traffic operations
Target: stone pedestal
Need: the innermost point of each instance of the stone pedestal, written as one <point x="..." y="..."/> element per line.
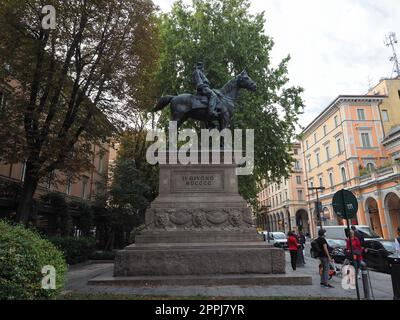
<point x="199" y="227"/>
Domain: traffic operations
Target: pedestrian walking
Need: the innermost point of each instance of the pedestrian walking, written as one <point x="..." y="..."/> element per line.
<point x="359" y="235"/>
<point x="321" y="246"/>
<point x="357" y="250"/>
<point x="293" y="247"/>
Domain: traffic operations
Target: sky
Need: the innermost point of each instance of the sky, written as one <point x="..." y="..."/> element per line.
<point x="336" y="47"/>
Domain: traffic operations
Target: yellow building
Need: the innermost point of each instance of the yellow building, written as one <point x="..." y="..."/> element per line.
<point x="390" y="107"/>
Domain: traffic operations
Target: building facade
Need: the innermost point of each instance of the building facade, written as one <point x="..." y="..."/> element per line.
<point x="283" y="205"/>
<point x="346" y="147"/>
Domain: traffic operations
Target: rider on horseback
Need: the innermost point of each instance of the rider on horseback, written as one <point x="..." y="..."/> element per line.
<point x="203" y="89"/>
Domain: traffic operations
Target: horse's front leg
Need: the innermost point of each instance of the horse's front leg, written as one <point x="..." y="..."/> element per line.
<point x="225" y="120"/>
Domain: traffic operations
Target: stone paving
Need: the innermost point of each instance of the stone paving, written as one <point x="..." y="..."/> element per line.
<point x="79" y="275"/>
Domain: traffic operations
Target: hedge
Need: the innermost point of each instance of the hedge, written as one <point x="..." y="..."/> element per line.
<point x="75" y="249"/>
<point x="23" y="254"/>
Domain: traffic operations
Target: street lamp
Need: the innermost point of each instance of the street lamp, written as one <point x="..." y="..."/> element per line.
<point x="317" y="204"/>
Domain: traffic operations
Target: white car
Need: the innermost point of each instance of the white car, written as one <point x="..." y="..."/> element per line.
<point x="338" y="232"/>
<point x="278" y="239"/>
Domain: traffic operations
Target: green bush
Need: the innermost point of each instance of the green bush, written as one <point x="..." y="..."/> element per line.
<point x="75" y="249"/>
<point x="23" y="254"/>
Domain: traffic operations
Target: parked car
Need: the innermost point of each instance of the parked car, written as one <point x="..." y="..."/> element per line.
<point x="376" y="252"/>
<point x="338" y="232"/>
<point x="278" y="239"/>
<point x="336" y="248"/>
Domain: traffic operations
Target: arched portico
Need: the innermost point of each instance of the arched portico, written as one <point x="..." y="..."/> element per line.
<point x="392" y="205"/>
<point x="371" y="205"/>
<point x="302" y="221"/>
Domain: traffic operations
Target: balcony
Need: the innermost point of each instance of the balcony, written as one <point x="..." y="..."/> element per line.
<point x="379" y="174"/>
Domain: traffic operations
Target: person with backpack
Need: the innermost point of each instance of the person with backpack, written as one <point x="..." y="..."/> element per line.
<point x="320" y="250"/>
<point x="293" y="247"/>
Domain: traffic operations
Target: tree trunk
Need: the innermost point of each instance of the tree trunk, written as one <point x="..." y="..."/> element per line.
<point x="24" y="208"/>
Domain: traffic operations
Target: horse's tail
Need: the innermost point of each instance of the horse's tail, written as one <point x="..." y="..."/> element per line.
<point x="162" y="103"/>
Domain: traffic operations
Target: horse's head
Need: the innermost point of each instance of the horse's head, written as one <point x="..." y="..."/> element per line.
<point x="245" y="82"/>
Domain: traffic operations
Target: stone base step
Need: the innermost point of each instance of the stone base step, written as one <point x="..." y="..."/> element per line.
<point x="209" y="280"/>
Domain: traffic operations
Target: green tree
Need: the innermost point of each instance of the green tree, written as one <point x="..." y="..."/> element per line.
<point x="134" y="186"/>
<point x="68" y="84"/>
<point x="227" y="38"/>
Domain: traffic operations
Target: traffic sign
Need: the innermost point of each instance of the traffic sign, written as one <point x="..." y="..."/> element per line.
<point x="345" y="204"/>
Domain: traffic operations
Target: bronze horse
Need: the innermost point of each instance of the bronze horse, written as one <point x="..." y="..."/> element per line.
<point x="187" y="106"/>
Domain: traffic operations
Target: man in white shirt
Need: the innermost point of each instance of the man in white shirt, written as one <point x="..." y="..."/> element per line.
<point x="397" y="242"/>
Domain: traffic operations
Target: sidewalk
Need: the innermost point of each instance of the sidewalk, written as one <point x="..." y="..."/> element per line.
<point x="79" y="275"/>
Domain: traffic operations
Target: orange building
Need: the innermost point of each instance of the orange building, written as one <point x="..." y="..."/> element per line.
<point x="85" y="188"/>
<point x="345" y="147"/>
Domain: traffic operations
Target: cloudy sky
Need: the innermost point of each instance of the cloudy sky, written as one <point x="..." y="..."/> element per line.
<point x="337" y="47"/>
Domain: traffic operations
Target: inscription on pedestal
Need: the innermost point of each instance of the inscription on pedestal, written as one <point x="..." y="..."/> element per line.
<point x="199" y="182"/>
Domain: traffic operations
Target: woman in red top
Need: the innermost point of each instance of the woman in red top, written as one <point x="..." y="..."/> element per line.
<point x="357" y="249"/>
<point x="293" y="247"/>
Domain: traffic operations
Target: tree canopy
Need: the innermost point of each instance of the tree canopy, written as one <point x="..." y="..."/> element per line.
<point x="227" y="38"/>
<point x="70" y="86"/>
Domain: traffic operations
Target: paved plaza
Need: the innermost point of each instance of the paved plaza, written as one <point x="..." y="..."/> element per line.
<point x="79" y="275"/>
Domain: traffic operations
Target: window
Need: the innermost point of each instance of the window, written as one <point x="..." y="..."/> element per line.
<point x="328" y="156"/>
<point x="365" y="140"/>
<point x="385" y="115"/>
<point x="298" y="179"/>
<point x="315" y="137"/>
<point x="331" y="179"/>
<point x="296" y="151"/>
<point x="370" y="167"/>
<point x="343" y="171"/>
<point x="335" y="119"/>
<point x="324" y="127"/>
<point x="297" y="165"/>
<point x="3" y="100"/>
<point x="50" y="179"/>
<point x="69" y="186"/>
<point x="321" y="182"/>
<point x="312" y="186"/>
<point x="85" y="181"/>
<point x="23" y="171"/>
<point x="398" y="93"/>
<point x="101" y="162"/>
<point x="339" y="145"/>
<point x="361" y="114"/>
<point x="309" y="164"/>
<point x="317" y="156"/>
<point x="300" y="194"/>
<point x="307" y="147"/>
<point x="286" y="195"/>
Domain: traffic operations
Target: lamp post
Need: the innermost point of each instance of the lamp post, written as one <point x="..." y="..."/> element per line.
<point x="318" y="212"/>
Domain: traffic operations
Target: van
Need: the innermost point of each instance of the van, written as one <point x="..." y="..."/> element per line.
<point x="338" y="232"/>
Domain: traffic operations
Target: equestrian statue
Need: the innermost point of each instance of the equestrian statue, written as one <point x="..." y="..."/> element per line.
<point x="208" y="105"/>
